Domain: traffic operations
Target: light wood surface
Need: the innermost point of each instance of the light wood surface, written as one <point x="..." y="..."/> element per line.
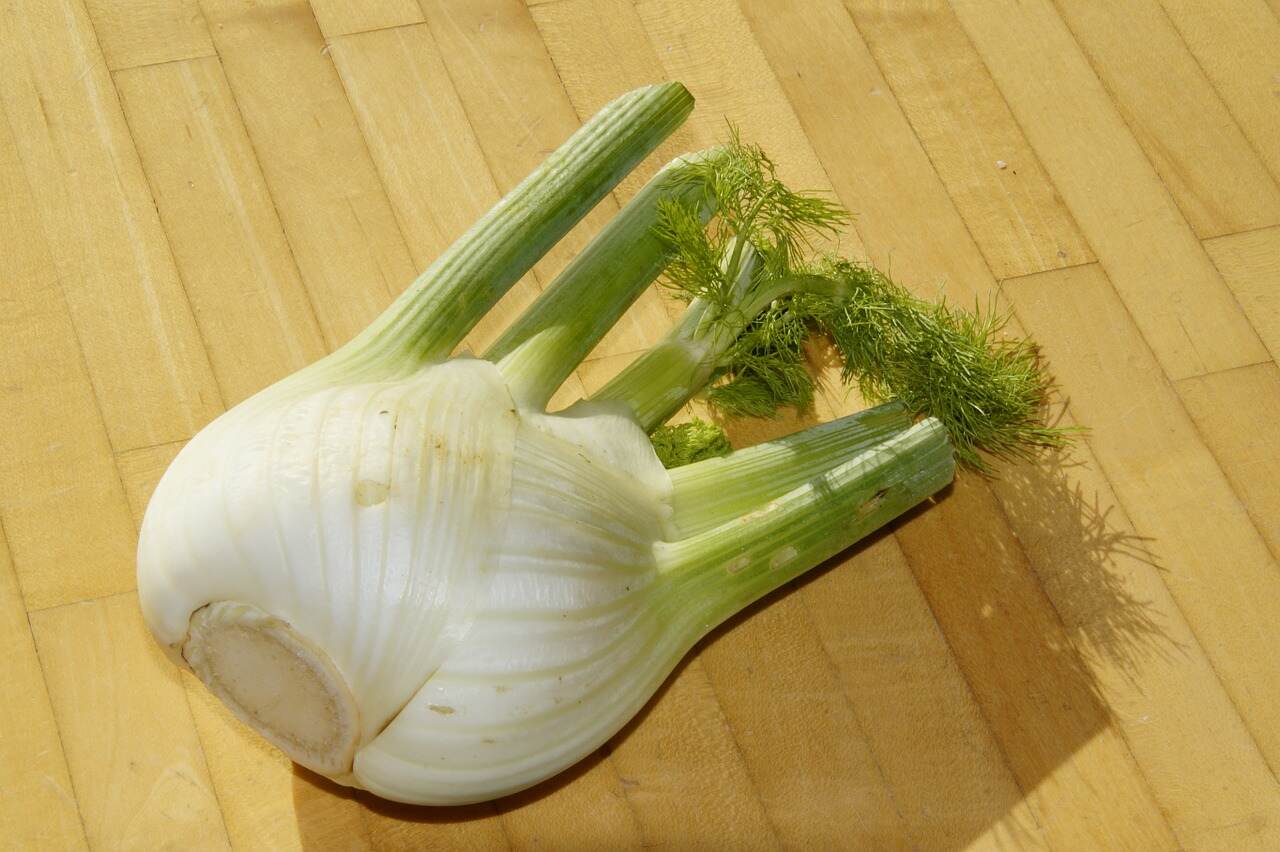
<point x="199" y="197"/>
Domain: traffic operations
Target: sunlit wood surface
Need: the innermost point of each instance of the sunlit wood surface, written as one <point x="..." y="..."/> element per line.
<point x="199" y="198"/>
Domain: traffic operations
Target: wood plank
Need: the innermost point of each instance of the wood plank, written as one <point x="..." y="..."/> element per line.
<point x="904" y="215"/>
<point x="100" y="222"/>
<point x="55" y="471"/>
<point x="1150" y="254"/>
<point x="784" y="702"/>
<point x="328" y="195"/>
<point x="1250" y="264"/>
<point x="1233" y="411"/>
<point x="934" y="745"/>
<point x="38" y="807"/>
<point x="138" y="770"/>
<point x="517" y="129"/>
<point x="143" y="32"/>
<point x="407" y="828"/>
<point x="584" y="807"/>
<point x="1162" y="692"/>
<point x="1214" y="562"/>
<point x="253" y="311"/>
<point x="1203" y="159"/>
<point x="1236" y="45"/>
<point x="339" y="18"/>
<point x="992" y="174"/>
<point x="423" y="145"/>
<point x="678" y="758"/>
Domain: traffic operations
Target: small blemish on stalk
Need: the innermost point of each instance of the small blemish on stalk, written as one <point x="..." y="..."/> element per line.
<point x="442" y="709"/>
<point x="738" y="564"/>
<point x="872" y="503"/>
<point x="782" y="557"/>
<point x="370" y="492"/>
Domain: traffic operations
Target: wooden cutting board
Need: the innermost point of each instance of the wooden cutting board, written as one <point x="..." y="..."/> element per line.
<point x="1080" y="654"/>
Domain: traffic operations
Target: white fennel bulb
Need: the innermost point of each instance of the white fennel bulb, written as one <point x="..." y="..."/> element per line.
<point x="414" y="551"/>
<point x="405" y="573"/>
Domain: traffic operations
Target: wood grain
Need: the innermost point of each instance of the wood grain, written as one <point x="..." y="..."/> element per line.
<point x="331" y="202"/>
<point x="1250" y="264"/>
<point x="137" y="765"/>
<point x="199" y="197"/>
<point x="1151" y="255"/>
<point x="1236" y="45"/>
<point x="38" y="809"/>
<point x="133" y="33"/>
<point x="221" y="224"/>
<point x="53" y="469"/>
<point x="973" y="142"/>
<point x="95" y="210"/>
<point x="1215" y="175"/>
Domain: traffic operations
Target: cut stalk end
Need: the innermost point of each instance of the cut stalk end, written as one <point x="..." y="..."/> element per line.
<point x="277" y="682"/>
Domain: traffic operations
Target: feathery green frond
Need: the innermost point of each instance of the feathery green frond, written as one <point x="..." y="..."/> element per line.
<point x="685" y="443"/>
<point x="754" y="209"/>
<point x="757" y="296"/>
<point x="990" y="391"/>
<point x="764" y="369"/>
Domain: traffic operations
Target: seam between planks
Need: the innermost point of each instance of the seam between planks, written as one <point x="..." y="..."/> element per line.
<point x="906" y="117"/>
<point x="330" y="345"/>
<point x="44" y="678"/>
<point x="1212" y="85"/>
<point x="81" y="358"/>
<point x="1256" y="230"/>
<point x="1088" y="57"/>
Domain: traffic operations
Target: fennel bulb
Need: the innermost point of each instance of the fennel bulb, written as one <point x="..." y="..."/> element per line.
<point x="405" y="573"/>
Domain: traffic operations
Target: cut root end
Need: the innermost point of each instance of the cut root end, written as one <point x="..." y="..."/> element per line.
<point x="277" y="682"/>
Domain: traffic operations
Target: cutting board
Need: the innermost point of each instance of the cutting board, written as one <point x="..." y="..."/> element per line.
<point x="1077" y="653"/>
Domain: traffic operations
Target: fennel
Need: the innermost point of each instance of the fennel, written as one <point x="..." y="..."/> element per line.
<point x="402" y="571"/>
